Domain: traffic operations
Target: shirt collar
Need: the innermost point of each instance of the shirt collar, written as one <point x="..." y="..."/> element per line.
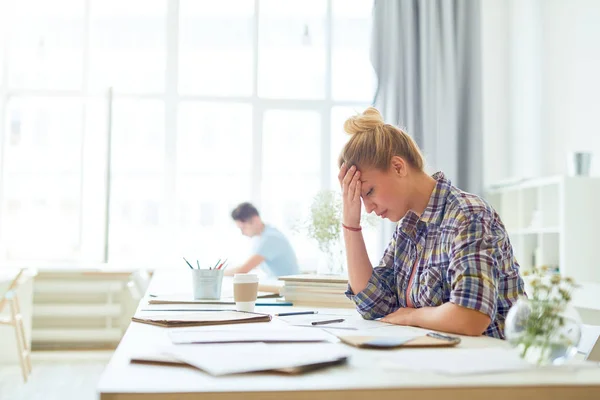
<point x="434" y="212"/>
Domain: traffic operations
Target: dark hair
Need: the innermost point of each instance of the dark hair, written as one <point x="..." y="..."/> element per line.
<point x="244" y="212"/>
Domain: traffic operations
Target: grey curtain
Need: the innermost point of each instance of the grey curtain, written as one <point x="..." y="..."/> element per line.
<point x="426" y="55"/>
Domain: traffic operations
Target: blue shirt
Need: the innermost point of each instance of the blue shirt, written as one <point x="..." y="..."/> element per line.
<point x="280" y="258"/>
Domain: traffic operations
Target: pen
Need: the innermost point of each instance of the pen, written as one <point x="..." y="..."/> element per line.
<point x="216" y="264"/>
<point x="444" y="337"/>
<point x="188" y="263"/>
<point x="285" y="314"/>
<point x="198" y="262"/>
<point x="331" y="321"/>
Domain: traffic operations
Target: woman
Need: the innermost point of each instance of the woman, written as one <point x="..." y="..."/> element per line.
<point x="449" y="266"/>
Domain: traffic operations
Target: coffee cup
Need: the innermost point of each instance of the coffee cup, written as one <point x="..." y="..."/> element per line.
<point x="245" y="290"/>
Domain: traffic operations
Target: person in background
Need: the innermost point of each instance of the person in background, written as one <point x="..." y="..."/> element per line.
<point x="449" y="265"/>
<point x="270" y="247"/>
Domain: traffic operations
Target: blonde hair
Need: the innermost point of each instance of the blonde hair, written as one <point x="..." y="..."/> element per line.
<point x="374" y="143"/>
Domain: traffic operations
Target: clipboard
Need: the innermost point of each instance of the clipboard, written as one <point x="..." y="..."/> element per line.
<point x="432" y="339"/>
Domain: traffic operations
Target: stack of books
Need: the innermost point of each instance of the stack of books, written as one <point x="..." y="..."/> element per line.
<point x="316" y="290"/>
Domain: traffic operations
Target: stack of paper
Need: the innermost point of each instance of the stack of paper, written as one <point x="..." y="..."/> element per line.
<point x="316" y="290"/>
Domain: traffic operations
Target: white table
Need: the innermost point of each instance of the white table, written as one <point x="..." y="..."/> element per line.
<point x="362" y="378"/>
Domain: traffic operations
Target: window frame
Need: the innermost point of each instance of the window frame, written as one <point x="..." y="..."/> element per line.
<point x="94" y="215"/>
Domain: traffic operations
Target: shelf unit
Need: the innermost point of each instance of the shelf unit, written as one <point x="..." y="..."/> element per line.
<point x="80" y="309"/>
<point x="553" y="221"/>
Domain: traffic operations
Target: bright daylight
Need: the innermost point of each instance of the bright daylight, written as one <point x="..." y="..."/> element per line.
<point x="299" y="199"/>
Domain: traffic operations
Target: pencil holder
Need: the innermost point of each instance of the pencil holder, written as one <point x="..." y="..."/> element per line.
<point x="207" y="284"/>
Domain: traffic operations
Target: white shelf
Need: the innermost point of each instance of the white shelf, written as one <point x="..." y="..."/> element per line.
<point x="552" y="221"/>
<point x="77" y="335"/>
<point x="534" y="231"/>
<point x="77" y="310"/>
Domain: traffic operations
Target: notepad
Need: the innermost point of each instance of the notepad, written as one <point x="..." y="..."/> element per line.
<point x="201" y="318"/>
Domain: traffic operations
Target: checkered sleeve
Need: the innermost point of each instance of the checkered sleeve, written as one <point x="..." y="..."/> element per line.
<point x="473" y="270"/>
<point x="378" y="299"/>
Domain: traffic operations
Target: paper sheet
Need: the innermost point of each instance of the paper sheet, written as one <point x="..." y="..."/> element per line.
<point x="350" y="323"/>
<point x="458" y="361"/>
<point x="280" y="335"/>
<point x="254" y="356"/>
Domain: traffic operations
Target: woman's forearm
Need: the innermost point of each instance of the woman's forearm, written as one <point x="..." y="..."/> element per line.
<point x="359" y="265"/>
<point x="452" y="318"/>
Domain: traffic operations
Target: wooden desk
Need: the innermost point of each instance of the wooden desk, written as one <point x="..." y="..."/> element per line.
<point x="362" y="378"/>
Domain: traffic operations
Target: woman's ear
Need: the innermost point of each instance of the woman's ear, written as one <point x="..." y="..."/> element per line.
<point x="398" y="166"/>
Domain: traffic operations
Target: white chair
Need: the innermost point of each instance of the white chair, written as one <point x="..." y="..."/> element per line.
<point x="138" y="284"/>
<point x="15" y="320"/>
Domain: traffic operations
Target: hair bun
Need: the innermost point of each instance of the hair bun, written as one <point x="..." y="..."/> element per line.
<point x="367" y="121"/>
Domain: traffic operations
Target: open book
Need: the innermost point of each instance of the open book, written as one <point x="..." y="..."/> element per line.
<point x="201" y="318"/>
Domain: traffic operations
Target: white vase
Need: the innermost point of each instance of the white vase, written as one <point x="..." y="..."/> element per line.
<point x="541" y="339"/>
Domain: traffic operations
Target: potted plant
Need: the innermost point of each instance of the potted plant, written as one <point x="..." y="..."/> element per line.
<point x="545" y="328"/>
<point x="324" y="225"/>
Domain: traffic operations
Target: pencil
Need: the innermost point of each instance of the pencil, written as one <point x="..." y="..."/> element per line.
<point x="285" y="314"/>
<point x="198" y="262"/>
<point x="216" y="264"/>
<point x="331" y="321"/>
<point x="188" y="263"/>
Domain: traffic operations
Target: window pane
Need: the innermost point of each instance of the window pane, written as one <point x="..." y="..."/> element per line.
<point x="290" y="181"/>
<point x="292" y="49"/>
<point x="137" y="221"/>
<point x="352" y="75"/>
<point x="372" y="234"/>
<point x="45" y="50"/>
<point x="138" y="136"/>
<point x="215" y="47"/>
<point x="3" y="28"/>
<point x="41" y="179"/>
<point x="128" y="45"/>
<point x="339" y="137"/>
<point x="214" y="166"/>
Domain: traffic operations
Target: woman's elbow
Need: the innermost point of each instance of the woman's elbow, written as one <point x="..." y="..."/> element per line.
<point x="476" y="326"/>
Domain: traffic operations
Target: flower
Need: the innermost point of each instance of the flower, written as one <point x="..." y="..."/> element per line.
<point x="538" y="325"/>
<point x="324" y="222"/>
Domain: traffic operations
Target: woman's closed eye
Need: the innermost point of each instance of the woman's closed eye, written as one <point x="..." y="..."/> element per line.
<point x="370" y="192"/>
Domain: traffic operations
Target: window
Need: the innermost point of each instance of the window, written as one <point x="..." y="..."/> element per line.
<point x="132" y="129"/>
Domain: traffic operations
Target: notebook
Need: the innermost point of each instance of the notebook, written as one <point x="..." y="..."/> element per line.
<point x="594" y="354"/>
<point x="201" y="318"/>
<point x="390" y="342"/>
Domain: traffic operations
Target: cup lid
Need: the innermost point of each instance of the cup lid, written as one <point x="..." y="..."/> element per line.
<point x="245" y="278"/>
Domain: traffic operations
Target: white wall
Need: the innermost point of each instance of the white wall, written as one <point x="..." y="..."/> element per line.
<point x="541" y="85"/>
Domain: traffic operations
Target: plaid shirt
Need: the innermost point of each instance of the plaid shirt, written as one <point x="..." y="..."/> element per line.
<point x="462" y="254"/>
